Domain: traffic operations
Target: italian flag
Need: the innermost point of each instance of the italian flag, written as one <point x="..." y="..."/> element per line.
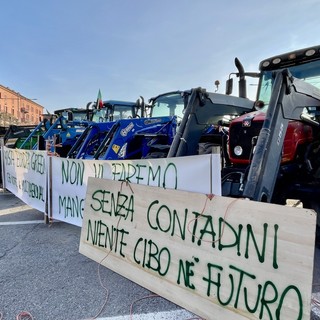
<point x="99" y="103"/>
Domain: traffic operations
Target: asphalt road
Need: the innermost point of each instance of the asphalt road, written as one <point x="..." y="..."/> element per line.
<point x="43" y="273"/>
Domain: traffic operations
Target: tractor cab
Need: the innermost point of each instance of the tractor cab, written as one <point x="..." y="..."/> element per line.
<point x="168" y="104"/>
<point x="72" y="114"/>
<point x="113" y="110"/>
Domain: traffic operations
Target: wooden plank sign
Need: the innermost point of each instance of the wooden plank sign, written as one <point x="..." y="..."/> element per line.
<point x="220" y="258"/>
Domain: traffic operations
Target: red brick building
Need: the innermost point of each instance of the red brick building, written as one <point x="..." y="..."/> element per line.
<point x="17" y="109"/>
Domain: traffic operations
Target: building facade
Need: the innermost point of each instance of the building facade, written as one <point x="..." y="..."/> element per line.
<point x="17" y="109"/>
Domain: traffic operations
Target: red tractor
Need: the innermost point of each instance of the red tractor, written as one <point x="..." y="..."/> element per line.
<point x="271" y="147"/>
<point x="274" y="151"/>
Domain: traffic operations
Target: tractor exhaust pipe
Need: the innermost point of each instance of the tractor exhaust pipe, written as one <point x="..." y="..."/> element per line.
<point x="242" y="79"/>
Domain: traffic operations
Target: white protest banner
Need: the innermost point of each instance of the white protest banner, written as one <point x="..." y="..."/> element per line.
<point x="219" y="257"/>
<point x="26" y="175"/>
<point x="69" y="179"/>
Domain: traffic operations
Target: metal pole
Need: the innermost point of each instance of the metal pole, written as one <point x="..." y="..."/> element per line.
<point x="2" y="164"/>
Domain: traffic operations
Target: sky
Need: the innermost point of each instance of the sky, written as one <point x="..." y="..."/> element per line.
<point x="62" y="52"/>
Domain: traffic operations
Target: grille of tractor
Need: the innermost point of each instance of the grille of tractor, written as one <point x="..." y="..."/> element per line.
<point x="242" y="136"/>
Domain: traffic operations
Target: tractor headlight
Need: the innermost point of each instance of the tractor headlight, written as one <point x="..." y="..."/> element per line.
<point x="238" y="150"/>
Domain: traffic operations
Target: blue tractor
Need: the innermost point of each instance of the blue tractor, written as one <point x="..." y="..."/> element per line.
<point x="102" y="120"/>
<point x="137" y="138"/>
<point x="147" y="135"/>
<point x="59" y="129"/>
<point x="65" y="127"/>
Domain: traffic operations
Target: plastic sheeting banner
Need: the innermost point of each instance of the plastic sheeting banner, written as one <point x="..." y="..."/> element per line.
<point x="25" y="175"/>
<point x="69" y="179"/>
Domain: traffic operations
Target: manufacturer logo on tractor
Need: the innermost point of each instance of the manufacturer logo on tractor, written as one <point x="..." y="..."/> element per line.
<point x="246" y="122"/>
<point x="280" y="133"/>
<point x="126" y="130"/>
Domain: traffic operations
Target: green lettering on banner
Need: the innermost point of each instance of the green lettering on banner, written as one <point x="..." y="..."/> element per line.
<point x="38" y="163"/>
<point x="9" y="157"/>
<point x="147" y="254"/>
<point x="23" y="159"/>
<point x="98" y="170"/>
<point x="32" y="190"/>
<point x="186" y="268"/>
<point x="101" y="235"/>
<point x="11" y="179"/>
<point x="136" y="173"/>
<point x="72" y="172"/>
<point x="267" y="297"/>
<point x="71" y="206"/>
<point x="188" y="247"/>
<point x="113" y="205"/>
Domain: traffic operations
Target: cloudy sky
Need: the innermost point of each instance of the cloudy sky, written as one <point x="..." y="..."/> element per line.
<point x="62" y="52"/>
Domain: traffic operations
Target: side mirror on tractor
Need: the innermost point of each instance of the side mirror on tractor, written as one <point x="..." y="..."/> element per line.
<point x="229" y="86"/>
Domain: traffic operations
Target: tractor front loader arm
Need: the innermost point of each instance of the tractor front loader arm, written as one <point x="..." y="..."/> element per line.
<point x="288" y="99"/>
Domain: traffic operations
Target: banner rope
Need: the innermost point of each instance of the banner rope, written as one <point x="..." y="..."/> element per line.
<point x="105" y="257"/>
<point x="210" y="197"/>
<point x="151" y="296"/>
<point x="24" y="315"/>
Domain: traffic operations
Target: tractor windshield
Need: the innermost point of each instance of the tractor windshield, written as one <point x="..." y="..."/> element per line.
<point x="80" y="115"/>
<point x="101" y="115"/>
<point x="309" y="72"/>
<point x="123" y="112"/>
<point x="169" y="104"/>
<point x="113" y="113"/>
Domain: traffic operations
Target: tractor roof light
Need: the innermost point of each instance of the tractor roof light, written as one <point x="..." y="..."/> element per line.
<point x="292" y="56"/>
<point x="276" y="60"/>
<point x="310" y="52"/>
<point x="266" y="63"/>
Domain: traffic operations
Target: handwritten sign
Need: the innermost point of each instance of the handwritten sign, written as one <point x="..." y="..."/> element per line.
<point x="219" y="257"/>
<point x="26" y="175"/>
<point x="70" y="176"/>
